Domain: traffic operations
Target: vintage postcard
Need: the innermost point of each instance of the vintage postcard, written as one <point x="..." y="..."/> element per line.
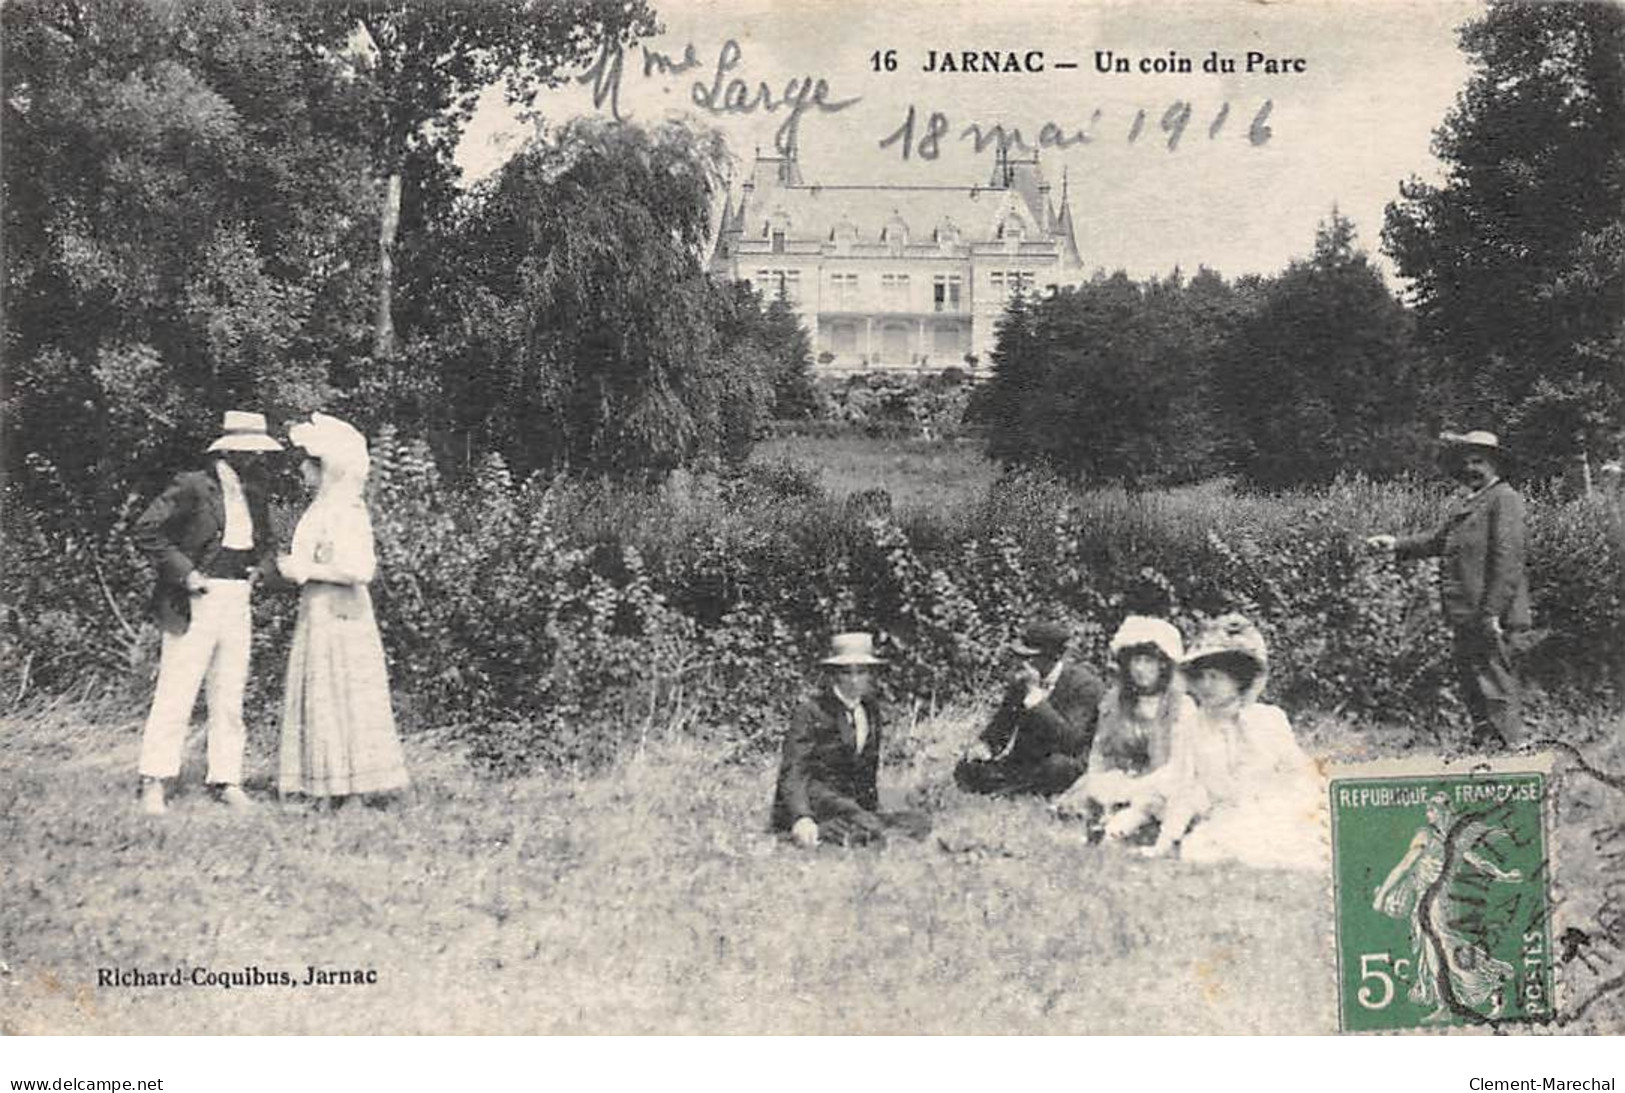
<point x="678" y="517"/>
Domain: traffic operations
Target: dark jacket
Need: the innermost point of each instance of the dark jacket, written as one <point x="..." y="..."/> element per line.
<point x="181" y="531"/>
<point x="820" y="774"/>
<point x="1482" y="543"/>
<point x="1064" y="723"/>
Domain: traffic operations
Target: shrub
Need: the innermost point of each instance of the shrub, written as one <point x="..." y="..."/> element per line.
<point x="562" y="622"/>
<point x="894" y="405"/>
<point x="1577" y="582"/>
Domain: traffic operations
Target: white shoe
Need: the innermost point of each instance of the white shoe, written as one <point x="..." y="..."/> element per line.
<point x="236" y="799"/>
<point x="152" y="797"/>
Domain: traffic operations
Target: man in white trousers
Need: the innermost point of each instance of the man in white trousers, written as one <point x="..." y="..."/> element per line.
<point x="207" y="535"/>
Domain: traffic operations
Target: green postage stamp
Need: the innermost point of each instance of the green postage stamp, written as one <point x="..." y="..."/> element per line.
<point x="1441" y="887"/>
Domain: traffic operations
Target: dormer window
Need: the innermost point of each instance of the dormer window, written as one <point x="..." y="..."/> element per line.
<point x="1012" y="230"/>
<point x="947" y="234"/>
<point x="777" y="230"/>
<point x="895" y="234"/>
<point x="843" y="235"/>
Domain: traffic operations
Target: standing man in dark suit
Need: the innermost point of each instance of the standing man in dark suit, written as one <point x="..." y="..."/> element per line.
<point x="1039" y="738"/>
<point x="206" y="535"/>
<point x="827" y="776"/>
<point x="1484" y="589"/>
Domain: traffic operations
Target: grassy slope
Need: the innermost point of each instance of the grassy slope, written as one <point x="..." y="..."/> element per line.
<point x="645" y="900"/>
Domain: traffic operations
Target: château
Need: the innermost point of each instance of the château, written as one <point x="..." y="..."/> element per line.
<point x="898" y="276"/>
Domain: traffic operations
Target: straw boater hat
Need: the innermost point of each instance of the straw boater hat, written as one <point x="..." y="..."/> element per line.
<point x="1477" y="440"/>
<point x="244" y="432"/>
<point x="851" y="649"/>
<point x="1138" y="630"/>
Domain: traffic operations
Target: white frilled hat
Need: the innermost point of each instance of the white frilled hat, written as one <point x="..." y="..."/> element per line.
<point x="1229" y="634"/>
<point x="244" y="431"/>
<point x="1144" y="630"/>
<point x="336" y="444"/>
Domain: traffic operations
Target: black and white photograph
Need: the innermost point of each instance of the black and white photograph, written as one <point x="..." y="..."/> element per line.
<point x="560" y="518"/>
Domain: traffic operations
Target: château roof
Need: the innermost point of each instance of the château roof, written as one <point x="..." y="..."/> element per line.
<point x="777" y="198"/>
<point x="816" y="212"/>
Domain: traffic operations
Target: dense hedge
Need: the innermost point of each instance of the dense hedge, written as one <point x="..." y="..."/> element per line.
<point x="553" y="622"/>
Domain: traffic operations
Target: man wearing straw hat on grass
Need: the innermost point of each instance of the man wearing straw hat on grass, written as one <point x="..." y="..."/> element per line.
<point x="827" y="787"/>
<point x="206" y="534"/>
<point x="1484" y="589"/>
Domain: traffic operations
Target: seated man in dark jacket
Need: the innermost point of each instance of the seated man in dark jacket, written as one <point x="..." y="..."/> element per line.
<point x="1038" y="740"/>
<point x="826" y="789"/>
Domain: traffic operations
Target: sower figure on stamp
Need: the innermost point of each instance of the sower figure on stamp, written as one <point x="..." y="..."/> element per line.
<point x="1038" y="740"/>
<point x="1484" y="588"/>
<point x="827" y="788"/>
<point x="1439" y="942"/>
<point x="208" y="535"/>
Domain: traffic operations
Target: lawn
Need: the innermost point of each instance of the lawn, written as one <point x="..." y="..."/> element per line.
<point x="929" y="475"/>
<point x="644" y="899"/>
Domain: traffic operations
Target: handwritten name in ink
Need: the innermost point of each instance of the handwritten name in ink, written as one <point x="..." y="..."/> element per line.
<point x="912" y="138"/>
<point x="725" y="92"/>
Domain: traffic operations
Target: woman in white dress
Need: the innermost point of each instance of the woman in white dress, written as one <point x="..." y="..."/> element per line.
<point x="338" y="726"/>
<point x="1239" y="787"/>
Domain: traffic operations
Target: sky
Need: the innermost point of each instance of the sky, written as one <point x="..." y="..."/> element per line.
<point x="1377" y="78"/>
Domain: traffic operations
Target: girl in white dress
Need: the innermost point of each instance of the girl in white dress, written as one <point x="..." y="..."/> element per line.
<point x="1139" y="715"/>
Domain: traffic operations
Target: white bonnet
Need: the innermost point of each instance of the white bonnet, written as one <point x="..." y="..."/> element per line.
<point x="337" y="445"/>
<point x="1144" y="630"/>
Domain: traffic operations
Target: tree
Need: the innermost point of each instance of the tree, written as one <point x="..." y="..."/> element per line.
<point x="1012" y="405"/>
<point x="423" y="67"/>
<point x="789" y="354"/>
<point x="595" y="342"/>
<point x="1107" y="381"/>
<point x="1323" y="376"/>
<point x="181" y="196"/>
<point x="775" y="333"/>
<point x="1517" y="261"/>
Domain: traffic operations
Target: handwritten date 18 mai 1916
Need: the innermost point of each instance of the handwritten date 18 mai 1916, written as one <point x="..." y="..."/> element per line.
<point x="924" y="139"/>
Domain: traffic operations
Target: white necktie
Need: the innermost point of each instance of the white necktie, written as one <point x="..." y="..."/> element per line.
<point x="860" y="726"/>
<point x="239" y="531"/>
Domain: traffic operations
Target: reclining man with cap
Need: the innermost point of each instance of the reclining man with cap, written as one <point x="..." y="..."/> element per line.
<point x="1039" y="738"/>
<point x="827" y="790"/>
<point x="207" y="535"/>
